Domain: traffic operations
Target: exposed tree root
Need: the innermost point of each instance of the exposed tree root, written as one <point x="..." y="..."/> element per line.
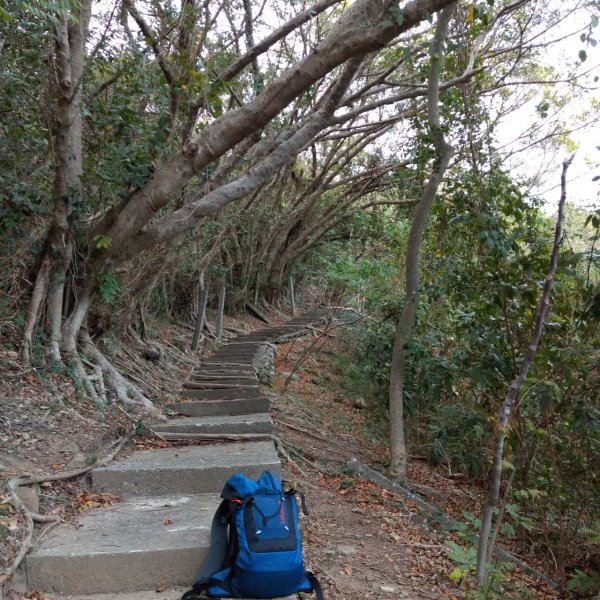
<point x="126" y="393"/>
<point x="288" y="459"/>
<point x="13" y="486"/>
<point x="299" y="455"/>
<point x="83" y="378"/>
<point x="98" y="377"/>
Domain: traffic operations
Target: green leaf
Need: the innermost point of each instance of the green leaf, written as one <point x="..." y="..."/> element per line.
<point x="457" y="575"/>
<point x="5" y="16"/>
<point x="103" y="242"/>
<point x="107" y="285"/>
<point x="582" y="55"/>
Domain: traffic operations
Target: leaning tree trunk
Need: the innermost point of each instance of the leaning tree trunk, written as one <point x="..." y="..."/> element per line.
<point x="485" y="547"/>
<point x="398" y="458"/>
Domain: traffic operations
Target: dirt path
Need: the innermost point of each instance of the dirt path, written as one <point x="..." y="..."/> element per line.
<point x="365" y="542"/>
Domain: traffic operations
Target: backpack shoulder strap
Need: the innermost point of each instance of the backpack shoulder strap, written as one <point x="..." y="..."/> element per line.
<point x="217" y="552"/>
<point x="316" y="585"/>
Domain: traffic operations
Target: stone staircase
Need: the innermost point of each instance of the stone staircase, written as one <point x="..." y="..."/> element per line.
<point x="158" y="536"/>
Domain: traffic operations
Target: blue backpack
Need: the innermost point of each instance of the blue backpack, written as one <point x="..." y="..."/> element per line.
<point x="255" y="547"/>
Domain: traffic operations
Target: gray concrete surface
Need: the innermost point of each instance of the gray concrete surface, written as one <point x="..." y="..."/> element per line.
<point x="203" y="407"/>
<point x="209" y="375"/>
<point x="254" y="423"/>
<point x="248" y="391"/>
<point x="146" y="543"/>
<point x="174" y="594"/>
<point x="223" y="383"/>
<point x="187" y="470"/>
<point x="157" y="538"/>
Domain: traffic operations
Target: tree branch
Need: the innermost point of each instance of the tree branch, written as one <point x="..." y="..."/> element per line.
<point x="494" y="490"/>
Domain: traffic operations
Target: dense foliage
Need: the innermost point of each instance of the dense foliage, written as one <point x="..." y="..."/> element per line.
<point x="486" y="255"/>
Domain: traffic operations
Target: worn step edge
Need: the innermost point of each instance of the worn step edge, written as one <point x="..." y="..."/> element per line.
<point x="223" y="393"/>
<point x="185" y="470"/>
<point x="198" y="406"/>
<point x="215" y="385"/>
<point x="153" y="594"/>
<point x="144" y="543"/>
<point x="252" y="423"/>
<point x="223" y="378"/>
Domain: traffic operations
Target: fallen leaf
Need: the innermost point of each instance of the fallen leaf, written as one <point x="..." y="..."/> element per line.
<point x="86" y="501"/>
<point x="348" y="570"/>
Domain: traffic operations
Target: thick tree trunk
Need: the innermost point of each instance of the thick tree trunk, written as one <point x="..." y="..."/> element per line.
<point x="56" y="299"/>
<point x="398" y="455"/>
<point x="37" y="299"/>
<point x="182" y="219"/>
<point x="72" y="326"/>
<point x="70" y="38"/>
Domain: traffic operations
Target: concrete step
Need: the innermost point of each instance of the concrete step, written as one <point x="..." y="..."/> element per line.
<point x="227" y="362"/>
<point x="233" y="352"/>
<point x="146" y="543"/>
<point x="244" y="342"/>
<point x="172" y="594"/>
<point x="206" y="407"/>
<point x="223" y="378"/>
<point x="248" y="391"/>
<point x="199" y="384"/>
<point x="254" y="423"/>
<point x="216" y="369"/>
<point x="276" y="333"/>
<point x="240" y="359"/>
<point x="186" y="470"/>
<point x="210" y="369"/>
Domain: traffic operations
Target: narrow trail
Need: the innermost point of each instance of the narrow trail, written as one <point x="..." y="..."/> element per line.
<point x="156" y="538"/>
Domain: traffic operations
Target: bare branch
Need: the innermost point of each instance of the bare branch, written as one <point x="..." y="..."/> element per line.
<point x="483" y="550"/>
